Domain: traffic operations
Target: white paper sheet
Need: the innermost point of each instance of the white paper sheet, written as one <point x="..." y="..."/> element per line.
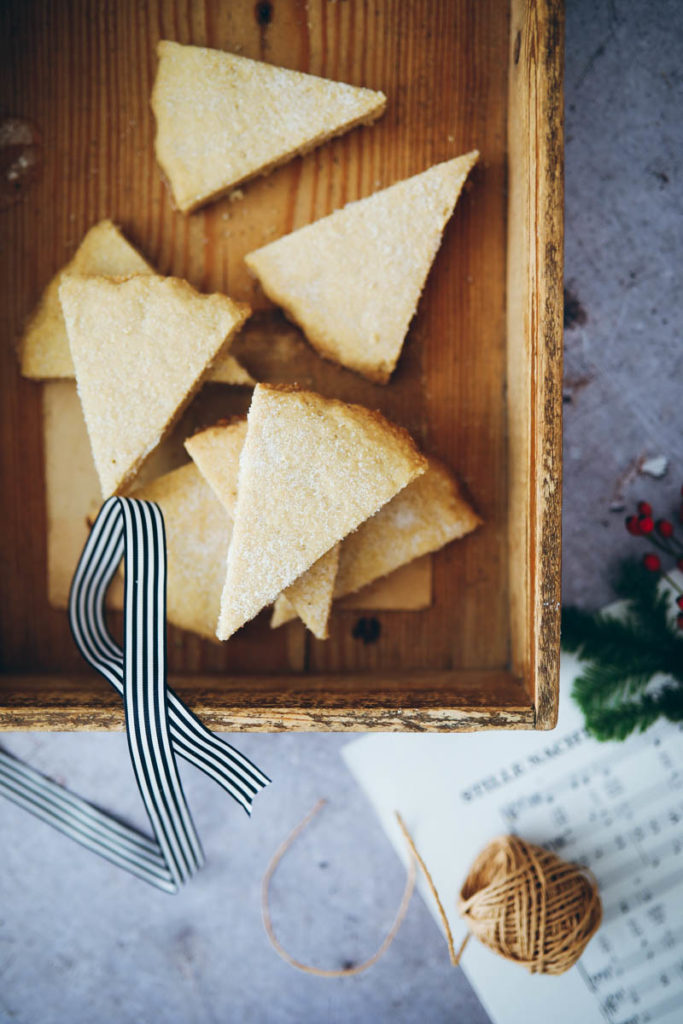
<point x="615" y="807"/>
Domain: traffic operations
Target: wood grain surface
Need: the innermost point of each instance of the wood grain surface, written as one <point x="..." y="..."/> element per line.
<point x="80" y="73"/>
<point x="426" y="701"/>
<point x="535" y="336"/>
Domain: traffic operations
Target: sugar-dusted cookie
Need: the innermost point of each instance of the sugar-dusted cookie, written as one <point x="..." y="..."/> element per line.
<point x="311" y="470"/>
<point x="222" y="119"/>
<point x="44" y="347"/>
<point x="141" y="348"/>
<point x="197" y="538"/>
<point x="352" y="280"/>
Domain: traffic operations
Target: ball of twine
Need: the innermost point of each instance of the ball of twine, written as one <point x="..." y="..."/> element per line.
<point x="530" y="906"/>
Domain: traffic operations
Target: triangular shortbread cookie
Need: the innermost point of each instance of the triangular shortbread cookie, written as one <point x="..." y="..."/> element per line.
<point x="425" y="516"/>
<point x="311" y="594"/>
<point x="283" y="612"/>
<point x="222" y="119"/>
<point x="352" y="280"/>
<point x="216" y="453"/>
<point x="310" y="597"/>
<point x="141" y="348"/>
<point x="197" y="538"/>
<point x="428" y="514"/>
<point x="44" y="347"/>
<point x="311" y="470"/>
<point x="229" y="370"/>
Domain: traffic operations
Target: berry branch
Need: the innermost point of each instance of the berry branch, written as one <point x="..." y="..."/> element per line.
<point x="634" y="663"/>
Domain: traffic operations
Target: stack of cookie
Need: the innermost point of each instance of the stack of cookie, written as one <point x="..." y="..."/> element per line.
<point x="308" y="499"/>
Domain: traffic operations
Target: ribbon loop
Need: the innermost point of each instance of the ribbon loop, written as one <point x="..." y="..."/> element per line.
<point x="158" y="724"/>
<point x="189" y="738"/>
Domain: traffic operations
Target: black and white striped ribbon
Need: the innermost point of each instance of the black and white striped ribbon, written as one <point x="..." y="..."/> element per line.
<point x="158" y="724"/>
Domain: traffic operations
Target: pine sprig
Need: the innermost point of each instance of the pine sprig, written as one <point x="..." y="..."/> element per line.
<point x="624" y="655"/>
<point x="638" y="715"/>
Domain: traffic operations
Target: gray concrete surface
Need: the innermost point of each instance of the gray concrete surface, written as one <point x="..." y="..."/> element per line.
<point x="624" y="276"/>
<point x="81" y="942"/>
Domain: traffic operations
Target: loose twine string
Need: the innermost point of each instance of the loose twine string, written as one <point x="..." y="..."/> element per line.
<point x="277" y="945"/>
<point x="522" y="901"/>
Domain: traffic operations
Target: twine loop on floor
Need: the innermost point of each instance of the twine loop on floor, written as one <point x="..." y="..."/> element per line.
<point x="322" y="972"/>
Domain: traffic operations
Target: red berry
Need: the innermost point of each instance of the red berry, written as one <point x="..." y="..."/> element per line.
<point x="679" y="564"/>
<point x="679" y="601"/>
<point x="652" y="563"/>
<point x="632" y="525"/>
<point x="644" y="508"/>
<point x="665" y="528"/>
<point x="679" y="621"/>
<point x="646" y="524"/>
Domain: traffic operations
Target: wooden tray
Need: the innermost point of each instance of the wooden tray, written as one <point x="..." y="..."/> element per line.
<point x="478" y="384"/>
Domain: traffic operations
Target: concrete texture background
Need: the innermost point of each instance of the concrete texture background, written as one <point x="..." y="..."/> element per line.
<point x="81" y="941"/>
<point x="624" y="277"/>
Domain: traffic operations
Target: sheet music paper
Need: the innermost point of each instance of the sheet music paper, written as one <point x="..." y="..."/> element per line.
<point x="615" y="807"/>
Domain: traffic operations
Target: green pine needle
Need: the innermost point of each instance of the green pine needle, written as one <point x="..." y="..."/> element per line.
<point x="624" y="655"/>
